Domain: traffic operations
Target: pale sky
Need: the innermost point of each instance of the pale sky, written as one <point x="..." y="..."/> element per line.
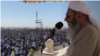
<point x="19" y="14"/>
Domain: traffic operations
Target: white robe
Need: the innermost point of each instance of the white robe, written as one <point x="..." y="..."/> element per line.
<point x="86" y="42"/>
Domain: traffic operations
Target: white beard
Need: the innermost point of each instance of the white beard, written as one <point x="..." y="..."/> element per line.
<point x="72" y="31"/>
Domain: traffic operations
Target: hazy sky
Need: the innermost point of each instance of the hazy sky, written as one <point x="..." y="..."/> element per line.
<point x="19" y="14"/>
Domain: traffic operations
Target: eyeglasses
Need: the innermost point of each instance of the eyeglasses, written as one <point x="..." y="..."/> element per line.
<point x="68" y="15"/>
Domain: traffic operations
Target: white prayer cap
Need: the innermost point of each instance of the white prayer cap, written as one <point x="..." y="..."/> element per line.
<point x="82" y="7"/>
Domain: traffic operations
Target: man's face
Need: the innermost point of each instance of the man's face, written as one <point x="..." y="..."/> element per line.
<point x="73" y="24"/>
<point x="69" y="16"/>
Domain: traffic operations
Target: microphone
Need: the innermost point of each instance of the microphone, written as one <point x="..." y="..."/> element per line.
<point x="58" y="25"/>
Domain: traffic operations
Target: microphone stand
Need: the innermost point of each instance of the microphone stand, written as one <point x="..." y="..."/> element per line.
<point x="48" y="36"/>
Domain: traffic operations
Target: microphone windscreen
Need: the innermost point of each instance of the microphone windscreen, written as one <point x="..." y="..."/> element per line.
<point x="59" y="25"/>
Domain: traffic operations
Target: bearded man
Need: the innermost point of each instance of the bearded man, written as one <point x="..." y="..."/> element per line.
<point x="83" y="31"/>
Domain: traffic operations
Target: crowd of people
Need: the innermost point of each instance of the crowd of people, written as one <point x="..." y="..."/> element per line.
<point x="21" y="40"/>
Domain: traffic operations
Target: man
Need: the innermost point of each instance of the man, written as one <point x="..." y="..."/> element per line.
<point x="31" y="51"/>
<point x="40" y="48"/>
<point x="13" y="52"/>
<point x="83" y="32"/>
<point x="63" y="44"/>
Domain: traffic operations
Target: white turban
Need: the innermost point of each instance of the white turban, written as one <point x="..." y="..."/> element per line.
<point x="82" y="7"/>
